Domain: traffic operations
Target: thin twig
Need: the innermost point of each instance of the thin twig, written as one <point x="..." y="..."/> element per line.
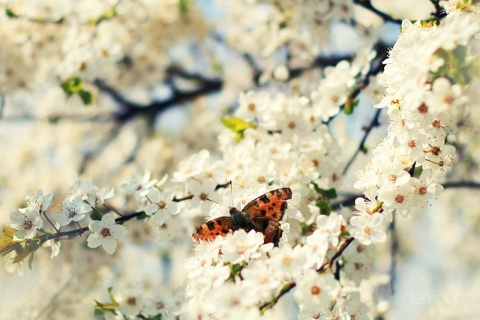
<point x="394" y="245"/>
<point x="49" y="221"/>
<point x="361" y="148"/>
<point x="462" y="184"/>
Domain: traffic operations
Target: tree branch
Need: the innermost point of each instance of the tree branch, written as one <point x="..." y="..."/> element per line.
<point x="361" y="147"/>
<point x="367" y="4"/>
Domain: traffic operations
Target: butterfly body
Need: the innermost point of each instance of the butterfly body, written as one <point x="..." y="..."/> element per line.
<point x="263" y="214"/>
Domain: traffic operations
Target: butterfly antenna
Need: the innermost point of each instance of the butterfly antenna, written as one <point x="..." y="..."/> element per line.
<point x="231" y="192"/>
<point x="220" y="204"/>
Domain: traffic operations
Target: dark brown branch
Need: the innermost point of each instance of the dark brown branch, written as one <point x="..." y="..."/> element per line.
<point x="462" y="184"/>
<point x="439" y="12"/>
<point x="361" y="147"/>
<point x="80" y="231"/>
<point x="367" y="4"/>
<point x="337" y="255"/>
<point x="394" y="245"/>
<point x="175" y="199"/>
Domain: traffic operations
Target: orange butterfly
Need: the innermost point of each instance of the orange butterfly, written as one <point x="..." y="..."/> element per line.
<point x="261" y="214"/>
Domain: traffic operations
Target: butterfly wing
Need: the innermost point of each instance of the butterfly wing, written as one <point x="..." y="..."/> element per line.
<point x="269" y="206"/>
<point x="210" y="230"/>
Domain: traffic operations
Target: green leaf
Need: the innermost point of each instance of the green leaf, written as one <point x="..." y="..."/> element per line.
<point x="86" y="96"/>
<point x="325" y="206"/>
<point x="112" y="298"/>
<point x="327" y="193"/>
<point x="102" y="308"/>
<point x="350" y="105"/>
<point x="6" y="241"/>
<point x="238" y="126"/>
<point x="107" y="15"/>
<point x="418" y="171"/>
<point x="462" y="4"/>
<point x="235" y="124"/>
<point x="72" y="85"/>
<point x="9" y="13"/>
<point x="30" y="261"/>
<point x="345" y="234"/>
<point x="235" y="269"/>
<point x="183" y="7"/>
<point x="95" y="215"/>
<point x="155" y="317"/>
<point x="142" y="216"/>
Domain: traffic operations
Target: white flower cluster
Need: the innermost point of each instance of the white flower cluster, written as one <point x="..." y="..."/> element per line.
<point x="427" y="93"/>
<point x="121" y="41"/>
<point x="303" y="27"/>
<point x="152" y="200"/>
<point x="36" y="221"/>
<point x="239" y="274"/>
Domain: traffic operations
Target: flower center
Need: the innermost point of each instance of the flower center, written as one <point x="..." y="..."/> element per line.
<point x="27" y="224"/>
<point x="105" y="232"/>
<point x="315" y="290"/>
<point x="399" y="198"/>
<point x="132" y="301"/>
<point x="162" y="205"/>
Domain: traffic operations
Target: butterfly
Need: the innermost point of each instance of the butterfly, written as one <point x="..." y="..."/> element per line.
<point x="262" y="214"/>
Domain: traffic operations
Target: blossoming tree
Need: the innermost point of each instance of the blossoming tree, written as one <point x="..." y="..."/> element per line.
<point x="248" y="125"/>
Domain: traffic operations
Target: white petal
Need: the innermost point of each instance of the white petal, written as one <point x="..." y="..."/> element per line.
<point x="378" y="236"/>
<point x="95" y="226"/>
<point x="108" y="220"/>
<point x="94" y="240"/>
<point x="118" y="231"/>
<point x="109" y="245"/>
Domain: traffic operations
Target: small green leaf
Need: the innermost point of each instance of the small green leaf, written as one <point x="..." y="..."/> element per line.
<point x="107" y="15"/>
<point x="462" y="4"/>
<point x="95" y="215"/>
<point x="418" y="171"/>
<point x="325" y="206"/>
<point x="6" y="241"/>
<point x="30" y="261"/>
<point x="142" y="216"/>
<point x="72" y="85"/>
<point x="183" y="7"/>
<point x="86" y="96"/>
<point x="235" y="269"/>
<point x="155" y="317"/>
<point x="238" y="126"/>
<point x="350" y="105"/>
<point x="345" y="234"/>
<point x="11" y="14"/>
<point x="112" y="298"/>
<point x="102" y="308"/>
<point x="235" y="124"/>
<point x="327" y="193"/>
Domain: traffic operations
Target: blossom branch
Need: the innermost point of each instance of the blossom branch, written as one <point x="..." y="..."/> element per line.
<point x="80" y="231"/>
<point x="290" y="285"/>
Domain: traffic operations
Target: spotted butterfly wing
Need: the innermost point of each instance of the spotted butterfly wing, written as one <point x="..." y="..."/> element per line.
<point x="220" y="226"/>
<point x="267" y="211"/>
